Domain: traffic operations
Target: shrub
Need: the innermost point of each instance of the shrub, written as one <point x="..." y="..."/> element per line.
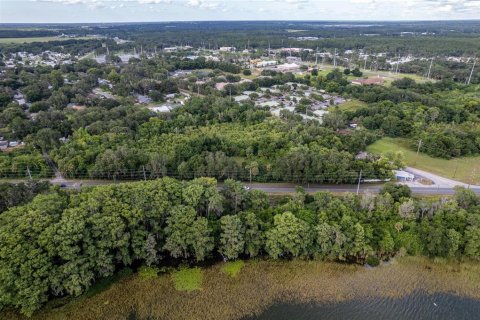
<point x="373" y="261"/>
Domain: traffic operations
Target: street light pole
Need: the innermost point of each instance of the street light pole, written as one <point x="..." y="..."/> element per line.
<point x="359" y="179"/>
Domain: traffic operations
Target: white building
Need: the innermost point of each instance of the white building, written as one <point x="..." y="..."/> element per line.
<point x="401" y="175"/>
<point x="228" y="49"/>
<point x="267" y="63"/>
<point x="288" y="67"/>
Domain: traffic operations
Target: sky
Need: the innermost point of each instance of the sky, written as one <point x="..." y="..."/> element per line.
<point x="78" y="11"/>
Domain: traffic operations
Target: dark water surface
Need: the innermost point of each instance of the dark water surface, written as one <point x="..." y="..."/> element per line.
<point x="415" y="306"/>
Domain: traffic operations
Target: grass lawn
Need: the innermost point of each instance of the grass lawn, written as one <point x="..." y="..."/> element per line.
<point x="233" y="268"/>
<point x="443" y="167"/>
<point x="389" y="76"/>
<point x="188" y="279"/>
<point x="352" y="105"/>
<point x="38" y="39"/>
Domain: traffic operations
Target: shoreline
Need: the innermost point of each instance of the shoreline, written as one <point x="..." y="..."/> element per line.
<point x="262" y="283"/>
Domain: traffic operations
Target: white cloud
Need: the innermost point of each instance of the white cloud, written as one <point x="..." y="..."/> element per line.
<point x="153" y="1"/>
<point x="202" y="4"/>
<point x="362" y="1"/>
<point x="445" y="8"/>
<point x="269" y="9"/>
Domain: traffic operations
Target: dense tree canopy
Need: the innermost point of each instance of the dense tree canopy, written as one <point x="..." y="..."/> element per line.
<point x="61" y="242"/>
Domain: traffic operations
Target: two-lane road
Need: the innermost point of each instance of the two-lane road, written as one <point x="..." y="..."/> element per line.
<point x="279" y="188"/>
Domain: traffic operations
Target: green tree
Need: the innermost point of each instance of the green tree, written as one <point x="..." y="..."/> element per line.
<point x="235" y="194"/>
<point x="325" y="239"/>
<point x="289" y="236"/>
<point x="454" y="240"/>
<point x="231" y="237"/>
<point x="472" y="242"/>
<point x="253" y="234"/>
<point x="187" y="235"/>
<point x="387" y="244"/>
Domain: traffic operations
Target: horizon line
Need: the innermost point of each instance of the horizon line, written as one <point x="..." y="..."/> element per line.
<point x="235" y="20"/>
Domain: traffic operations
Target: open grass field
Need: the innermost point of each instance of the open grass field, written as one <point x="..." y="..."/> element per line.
<point x="37" y="39"/>
<point x="217" y="295"/>
<point x="352" y="105"/>
<point x="458" y="169"/>
<point x="389" y="76"/>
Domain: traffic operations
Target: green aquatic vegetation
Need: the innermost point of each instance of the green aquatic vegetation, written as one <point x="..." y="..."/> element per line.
<point x="148" y="272"/>
<point x="233" y="268"/>
<point x="188" y="279"/>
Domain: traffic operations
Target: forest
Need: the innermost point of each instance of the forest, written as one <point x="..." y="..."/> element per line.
<point x="62" y="242"/>
<point x="444" y="116"/>
<point x="213" y="136"/>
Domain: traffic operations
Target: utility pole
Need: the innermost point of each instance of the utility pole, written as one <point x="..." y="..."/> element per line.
<point x="359" y="179"/>
<point x="365" y="63"/>
<point x="29" y="173"/>
<point x="472" y="178"/>
<point x="471" y="72"/>
<point x="430" y="69"/>
<point x="456" y="167"/>
<point x="316" y="57"/>
<point x="418" y="150"/>
<point x="335" y="59"/>
<point x="144" y="173"/>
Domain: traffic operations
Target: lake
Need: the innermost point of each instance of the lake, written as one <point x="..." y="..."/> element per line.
<point x="415" y="306"/>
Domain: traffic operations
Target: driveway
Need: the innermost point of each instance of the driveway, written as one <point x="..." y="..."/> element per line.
<point x="438" y="181"/>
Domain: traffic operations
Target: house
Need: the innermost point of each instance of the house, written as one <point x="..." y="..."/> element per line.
<point x="166" y="107"/>
<point x="220" y="85"/>
<point x="270" y="104"/>
<point x="170" y="49"/>
<point x="241" y="98"/>
<point x="228" y="49"/>
<point x="143" y="99"/>
<point x="267" y="63"/>
<point x="401" y="175"/>
<point x="362" y="155"/>
<point x="76" y="106"/>
<point x="19" y="98"/>
<point x="286" y="67"/>
<point x="105" y="82"/>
